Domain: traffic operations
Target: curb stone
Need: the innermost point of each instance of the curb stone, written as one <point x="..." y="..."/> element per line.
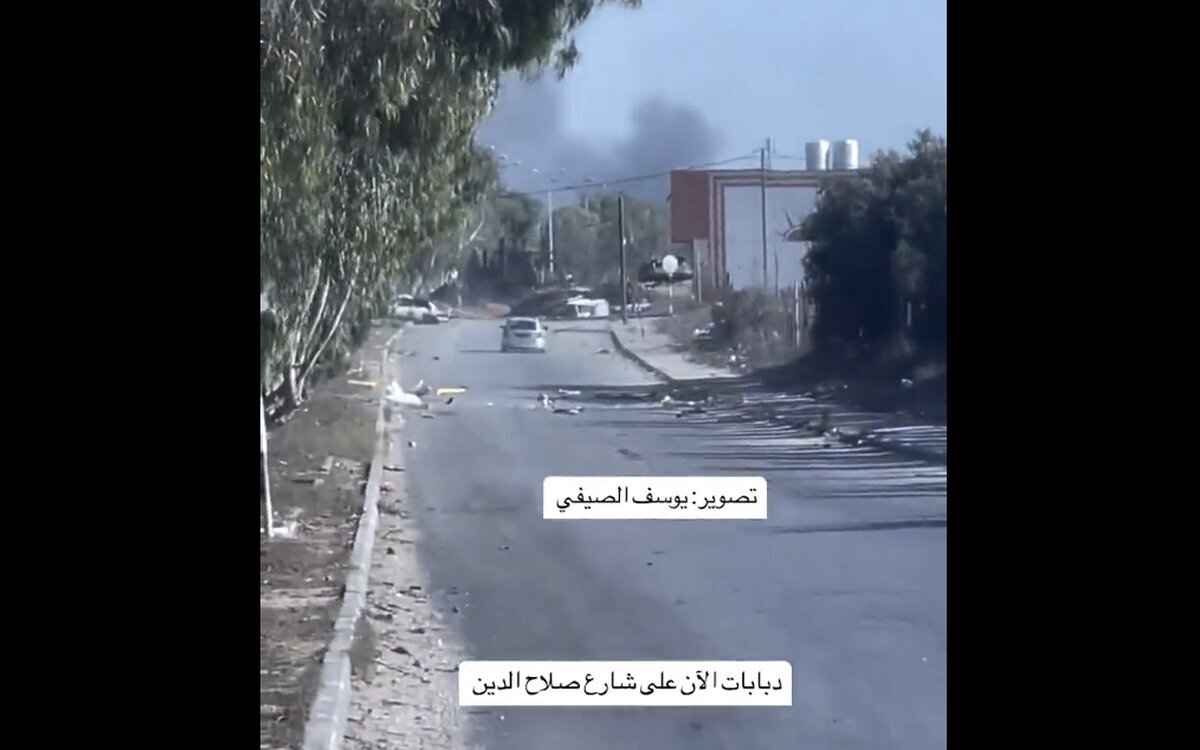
<point x="846" y="437"/>
<point x="638" y="360"/>
<point x="326" y="725"/>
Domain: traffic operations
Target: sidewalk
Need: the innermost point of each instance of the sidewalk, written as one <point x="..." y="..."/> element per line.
<point x="656" y="352"/>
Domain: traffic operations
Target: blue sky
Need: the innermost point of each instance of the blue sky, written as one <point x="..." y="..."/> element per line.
<point x="713" y="79"/>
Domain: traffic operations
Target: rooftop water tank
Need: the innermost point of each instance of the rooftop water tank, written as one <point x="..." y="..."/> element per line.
<point x="816" y="155"/>
<point x="845" y="154"/>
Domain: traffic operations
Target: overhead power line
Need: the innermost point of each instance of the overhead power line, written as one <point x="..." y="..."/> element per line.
<point x="594" y="184"/>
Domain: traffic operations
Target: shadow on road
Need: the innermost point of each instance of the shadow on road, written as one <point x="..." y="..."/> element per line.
<point x="915" y="523"/>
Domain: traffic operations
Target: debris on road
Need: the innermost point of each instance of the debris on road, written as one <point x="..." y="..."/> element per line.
<point x="420" y="389"/>
<point x="450" y="391"/>
<point x="363" y="383"/>
<point x="412" y="443"/>
<point x="573" y="410"/>
<point x="604" y="351"/>
<point x="396" y="395"/>
<point x="568" y="392"/>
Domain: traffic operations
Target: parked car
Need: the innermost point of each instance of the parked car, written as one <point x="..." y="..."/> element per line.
<point x="407" y="307"/>
<point x="523" y="334"/>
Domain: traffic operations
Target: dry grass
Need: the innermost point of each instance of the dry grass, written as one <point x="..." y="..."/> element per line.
<point x="301" y="579"/>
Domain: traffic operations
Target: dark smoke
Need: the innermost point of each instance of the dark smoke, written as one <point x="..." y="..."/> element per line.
<point x="527" y="125"/>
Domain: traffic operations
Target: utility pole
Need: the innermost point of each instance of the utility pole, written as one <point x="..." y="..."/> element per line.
<point x="550" y="228"/>
<point x="264" y="483"/>
<point x="621" y="232"/>
<point x="763" y="173"/>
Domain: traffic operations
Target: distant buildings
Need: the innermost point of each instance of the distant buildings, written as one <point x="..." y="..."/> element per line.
<point x="720" y="214"/>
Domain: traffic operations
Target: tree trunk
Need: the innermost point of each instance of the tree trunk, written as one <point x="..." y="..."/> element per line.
<point x="334" y="325"/>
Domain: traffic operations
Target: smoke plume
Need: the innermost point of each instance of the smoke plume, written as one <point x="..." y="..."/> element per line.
<point x="527" y="125"/>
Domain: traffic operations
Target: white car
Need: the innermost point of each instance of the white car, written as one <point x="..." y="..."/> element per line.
<point x="523" y="334"/>
<point x="407" y="307"/>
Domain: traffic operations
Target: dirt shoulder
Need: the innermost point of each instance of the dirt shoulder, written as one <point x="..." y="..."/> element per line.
<point x="318" y="462"/>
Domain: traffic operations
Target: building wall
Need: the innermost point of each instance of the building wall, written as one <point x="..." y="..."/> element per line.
<point x="690" y="205"/>
<point x="742" y="234"/>
<point x="721" y="212"/>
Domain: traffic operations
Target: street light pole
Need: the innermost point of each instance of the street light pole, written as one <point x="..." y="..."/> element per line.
<point x="621" y="232"/>
<point x="550" y="228"/>
<point x="763" y="173"/>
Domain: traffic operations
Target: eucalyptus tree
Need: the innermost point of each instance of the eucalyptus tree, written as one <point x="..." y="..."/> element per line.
<point x="368" y="110"/>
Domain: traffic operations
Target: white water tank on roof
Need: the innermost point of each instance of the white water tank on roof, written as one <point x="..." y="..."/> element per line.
<point x="845" y="154"/>
<point x="816" y="154"/>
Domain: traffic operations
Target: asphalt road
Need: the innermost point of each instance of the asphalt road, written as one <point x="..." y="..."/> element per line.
<point x="847" y="580"/>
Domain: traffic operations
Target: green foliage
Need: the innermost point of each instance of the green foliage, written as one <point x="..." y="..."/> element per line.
<point x="368" y="110"/>
<point x="586" y="236"/>
<point x="878" y="245"/>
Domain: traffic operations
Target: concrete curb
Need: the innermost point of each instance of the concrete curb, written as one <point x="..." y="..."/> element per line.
<point x="639" y="361"/>
<point x="852" y="437"/>
<point x="326" y="725"/>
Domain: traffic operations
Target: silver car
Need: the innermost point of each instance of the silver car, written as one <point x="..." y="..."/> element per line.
<point x="523" y="334"/>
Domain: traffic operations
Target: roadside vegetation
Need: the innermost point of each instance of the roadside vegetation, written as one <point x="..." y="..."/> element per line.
<point x="368" y="163"/>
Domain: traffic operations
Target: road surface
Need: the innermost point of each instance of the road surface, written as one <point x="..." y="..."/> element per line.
<point x="847" y="580"/>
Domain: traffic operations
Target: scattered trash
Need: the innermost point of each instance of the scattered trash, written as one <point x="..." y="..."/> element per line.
<point x="363" y="383"/>
<point x="282" y="462"/>
<point x="907" y="383"/>
<point x="401" y="650"/>
<point x="396" y="395"/>
<point x="387" y="487"/>
<point x="665" y="400"/>
<point x="567" y="392"/>
<point x="392" y="468"/>
<point x="489" y="403"/>
<point x="437" y="357"/>
<point x="502" y="548"/>
<point x="412" y="444"/>
<point x="450" y="401"/>
<point x="573" y="410"/>
<point x="420" y="389"/>
<point x="545" y="401"/>
<point x="450" y="391"/>
<point x="426" y="416"/>
<point x="604" y="351"/>
<point x="391" y="550"/>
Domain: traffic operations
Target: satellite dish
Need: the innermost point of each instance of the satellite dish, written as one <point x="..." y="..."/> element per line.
<point x="670" y="264"/>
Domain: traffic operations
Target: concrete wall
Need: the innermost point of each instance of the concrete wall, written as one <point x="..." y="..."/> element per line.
<point x="741" y="234"/>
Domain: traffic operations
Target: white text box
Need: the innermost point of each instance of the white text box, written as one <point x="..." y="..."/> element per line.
<point x="625" y="683"/>
<point x="655" y="498"/>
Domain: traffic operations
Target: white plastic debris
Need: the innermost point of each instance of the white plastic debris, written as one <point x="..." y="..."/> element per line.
<point x="907" y="383"/>
<point x="397" y="396"/>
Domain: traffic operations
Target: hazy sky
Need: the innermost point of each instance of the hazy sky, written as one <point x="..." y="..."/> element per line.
<point x="683" y="82"/>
